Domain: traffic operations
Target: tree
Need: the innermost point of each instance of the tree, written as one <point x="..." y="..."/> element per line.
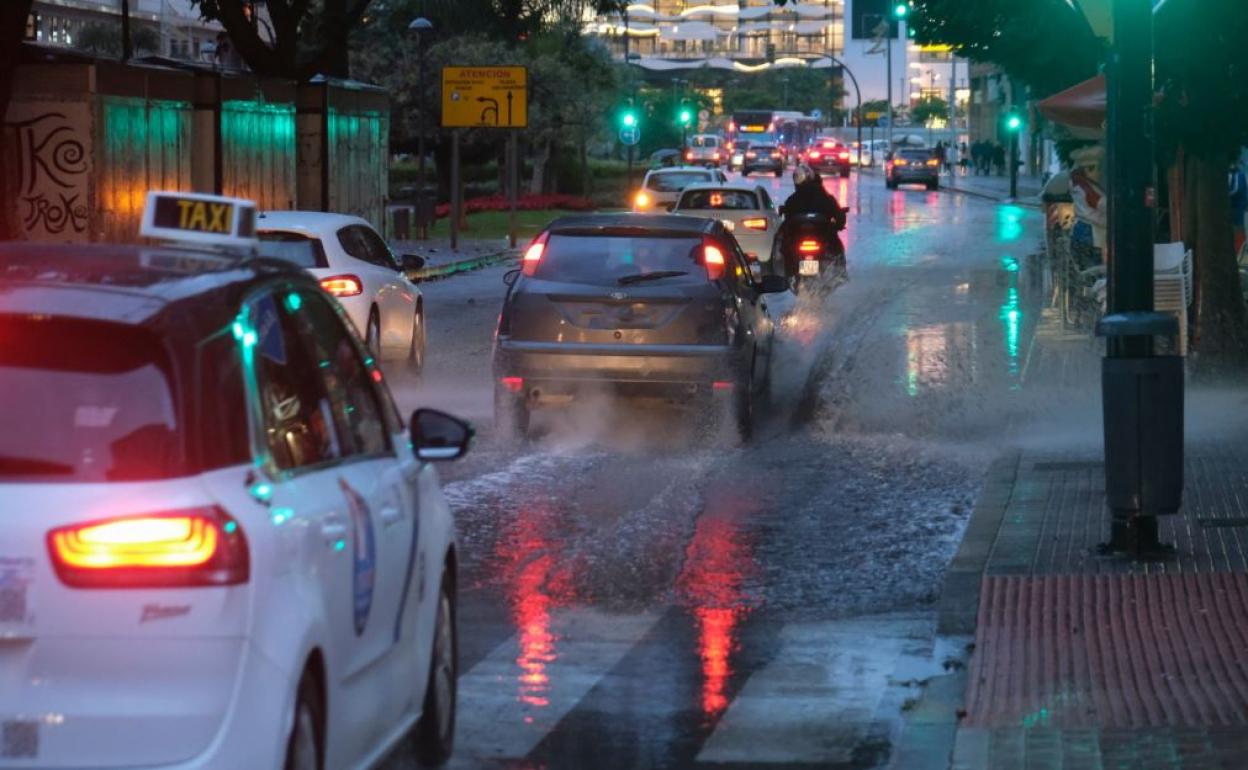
<point x="1045" y="44"/>
<point x="788" y="88"/>
<point x="13" y="17"/>
<point x="298" y="40"/>
<point x="925" y="109"/>
<point x="1202" y="123"/>
<point x="105" y="39"/>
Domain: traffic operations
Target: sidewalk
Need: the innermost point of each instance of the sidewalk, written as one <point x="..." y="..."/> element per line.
<point x="440" y="261"/>
<point x="995" y="187"/>
<point x="1087" y="661"/>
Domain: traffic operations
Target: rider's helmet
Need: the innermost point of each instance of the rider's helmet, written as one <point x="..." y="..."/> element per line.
<point x="801" y="174"/>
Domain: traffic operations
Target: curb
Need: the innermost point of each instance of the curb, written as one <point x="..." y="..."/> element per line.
<point x="436" y="272"/>
<point x="959" y="599"/>
<point x="992" y="197"/>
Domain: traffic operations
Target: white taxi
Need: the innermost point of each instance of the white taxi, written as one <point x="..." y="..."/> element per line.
<point x="745" y="209"/>
<point x="221" y="547"/>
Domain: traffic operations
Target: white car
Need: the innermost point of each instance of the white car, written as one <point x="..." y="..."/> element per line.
<point x="662" y="186"/>
<point x="220" y="549"/>
<point x="705" y="150"/>
<point x="745" y="209"/>
<point x="353" y="263"/>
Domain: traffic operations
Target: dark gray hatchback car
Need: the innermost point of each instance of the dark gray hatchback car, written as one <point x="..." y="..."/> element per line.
<point x="638" y="304"/>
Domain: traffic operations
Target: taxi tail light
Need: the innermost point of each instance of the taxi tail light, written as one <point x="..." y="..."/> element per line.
<point x="342" y="285"/>
<point x="754" y="224"/>
<point x="533" y="254"/>
<point x="809" y="246"/>
<point x="171" y="549"/>
<point x="713" y="258"/>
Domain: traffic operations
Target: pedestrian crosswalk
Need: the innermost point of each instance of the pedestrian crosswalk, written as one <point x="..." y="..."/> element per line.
<point x="827" y="692"/>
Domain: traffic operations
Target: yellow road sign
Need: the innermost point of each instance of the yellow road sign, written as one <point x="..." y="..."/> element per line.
<point x="493" y="97"/>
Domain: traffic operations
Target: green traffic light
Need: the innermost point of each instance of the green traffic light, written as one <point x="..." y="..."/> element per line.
<point x="685" y="116"/>
<point x="1013" y="122"/>
<point x="630" y="119"/>
<point x="901" y="10"/>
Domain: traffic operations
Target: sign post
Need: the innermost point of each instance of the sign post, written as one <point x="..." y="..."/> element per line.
<point x="484" y="97"/>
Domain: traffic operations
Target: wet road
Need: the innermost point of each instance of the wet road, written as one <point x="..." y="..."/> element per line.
<point x="630" y="599"/>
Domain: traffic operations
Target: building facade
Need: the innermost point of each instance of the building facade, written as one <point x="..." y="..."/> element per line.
<point x="172" y="28"/>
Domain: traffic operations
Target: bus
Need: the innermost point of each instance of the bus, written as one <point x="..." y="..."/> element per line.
<point x="790" y="130"/>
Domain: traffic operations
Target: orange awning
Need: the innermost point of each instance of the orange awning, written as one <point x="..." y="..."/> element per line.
<point x="1081" y="107"/>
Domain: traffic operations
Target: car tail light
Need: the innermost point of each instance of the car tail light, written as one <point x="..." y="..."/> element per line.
<point x="901" y="162"/>
<point x="933" y="162"/>
<point x="715" y="155"/>
<point x="342" y="285"/>
<point x="722" y="385"/>
<point x="754" y="224"/>
<point x="732" y="125"/>
<point x="775" y="155"/>
<point x="689" y="155"/>
<point x="808" y="246"/>
<point x="814" y="154"/>
<point x="843" y="155"/>
<point x="713" y="258"/>
<point x="512" y="384"/>
<point x="751" y="155"/>
<point x="183" y="548"/>
<point x="533" y="255"/>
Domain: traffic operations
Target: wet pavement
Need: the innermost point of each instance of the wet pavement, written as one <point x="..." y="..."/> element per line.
<point x="633" y="599"/>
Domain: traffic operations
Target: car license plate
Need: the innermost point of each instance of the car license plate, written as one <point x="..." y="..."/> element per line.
<point x="808" y="267"/>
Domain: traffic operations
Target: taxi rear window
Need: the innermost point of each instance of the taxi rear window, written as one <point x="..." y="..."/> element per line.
<point x="86" y="401"/>
<point x="740" y="200"/>
<point x="304" y="251"/>
<point x="675" y="181"/>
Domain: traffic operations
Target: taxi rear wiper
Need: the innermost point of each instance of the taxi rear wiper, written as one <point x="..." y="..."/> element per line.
<point x="651" y="276"/>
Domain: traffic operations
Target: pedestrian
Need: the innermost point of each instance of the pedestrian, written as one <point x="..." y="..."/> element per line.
<point x="941" y="153"/>
<point x="1238" y="187"/>
<point x="998" y="158"/>
<point x="963" y="159"/>
<point x="951" y="159"/>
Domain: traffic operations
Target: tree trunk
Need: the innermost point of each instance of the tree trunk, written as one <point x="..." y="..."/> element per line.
<point x="127" y="47"/>
<point x="584" y="153"/>
<point x="13" y="15"/>
<point x="1220" y="332"/>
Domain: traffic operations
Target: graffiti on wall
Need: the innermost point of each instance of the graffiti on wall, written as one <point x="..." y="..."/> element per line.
<point x="53" y="169"/>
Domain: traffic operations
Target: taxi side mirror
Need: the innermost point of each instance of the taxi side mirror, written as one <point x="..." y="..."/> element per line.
<point x="412" y="263"/>
<point x="438" y="436"/>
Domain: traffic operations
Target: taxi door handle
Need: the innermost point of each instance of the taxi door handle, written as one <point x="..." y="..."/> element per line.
<point x="391" y="515"/>
<point x="333" y="533"/>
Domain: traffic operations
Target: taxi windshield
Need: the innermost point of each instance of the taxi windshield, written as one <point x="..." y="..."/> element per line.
<point x="96" y="403"/>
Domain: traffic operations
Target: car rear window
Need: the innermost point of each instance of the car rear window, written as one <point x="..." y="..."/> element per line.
<point x="762" y="148"/>
<point x="605" y="259"/>
<point x="919" y="155"/>
<point x="675" y="181"/>
<point x="86" y="401"/>
<point x="718" y="199"/>
<point x="705" y="141"/>
<point x="301" y="249"/>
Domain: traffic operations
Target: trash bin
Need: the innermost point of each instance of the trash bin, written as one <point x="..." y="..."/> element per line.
<point x="1142" y="405"/>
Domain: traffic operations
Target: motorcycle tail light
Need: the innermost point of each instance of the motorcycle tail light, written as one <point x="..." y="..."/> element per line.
<point x="809" y="246"/>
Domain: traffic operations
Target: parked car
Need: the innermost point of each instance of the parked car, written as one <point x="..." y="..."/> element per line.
<point x="353" y="263"/>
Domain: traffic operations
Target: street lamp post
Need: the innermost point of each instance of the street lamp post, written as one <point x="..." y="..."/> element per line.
<point x="421" y="27"/>
<point x="858" y="97"/>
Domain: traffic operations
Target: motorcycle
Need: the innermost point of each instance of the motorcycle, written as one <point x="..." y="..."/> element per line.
<point x="812" y="249"/>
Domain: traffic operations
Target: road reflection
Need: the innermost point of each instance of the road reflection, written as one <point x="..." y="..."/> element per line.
<point x="718" y="563"/>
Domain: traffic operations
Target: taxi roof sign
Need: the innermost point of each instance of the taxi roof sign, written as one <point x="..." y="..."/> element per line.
<point x="211" y="220"/>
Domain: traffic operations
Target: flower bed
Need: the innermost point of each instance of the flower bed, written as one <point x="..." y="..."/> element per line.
<point x="524" y="203"/>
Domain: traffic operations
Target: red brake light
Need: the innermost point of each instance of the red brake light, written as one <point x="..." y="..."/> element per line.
<point x="512" y="384"/>
<point x="755" y="224"/>
<point x="814" y="154"/>
<point x="775" y="155"/>
<point x="714" y="260"/>
<point x="843" y="155"/>
<point x="808" y="246"/>
<point x="689" y="155"/>
<point x="751" y="155"/>
<point x="193" y="547"/>
<point x="715" y="155"/>
<point x="533" y="254"/>
<point x="342" y="285"/>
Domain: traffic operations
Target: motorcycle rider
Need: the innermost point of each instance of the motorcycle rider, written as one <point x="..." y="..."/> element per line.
<point x="810" y="197"/>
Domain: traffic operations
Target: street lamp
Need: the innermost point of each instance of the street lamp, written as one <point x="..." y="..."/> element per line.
<point x="420" y="28"/>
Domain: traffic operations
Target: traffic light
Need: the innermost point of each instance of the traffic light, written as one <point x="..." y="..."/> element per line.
<point x="1013" y="122"/>
<point x="686" y="115"/>
<point x="629" y="118"/>
<point x="901" y="10"/>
